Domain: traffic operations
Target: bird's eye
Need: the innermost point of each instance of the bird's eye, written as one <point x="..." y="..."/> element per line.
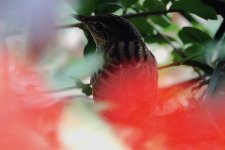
<point x="98" y="27"/>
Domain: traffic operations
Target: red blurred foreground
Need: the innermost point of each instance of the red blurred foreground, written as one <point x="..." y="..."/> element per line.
<point x="194" y="129"/>
<point x="27" y="120"/>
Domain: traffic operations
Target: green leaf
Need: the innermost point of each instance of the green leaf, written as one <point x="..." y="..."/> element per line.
<point x="154" y="5"/>
<point x="162" y="21"/>
<point x="128" y="3"/>
<point x="195" y="52"/>
<point x="176" y="57"/>
<point x="157" y="39"/>
<point x="204" y="67"/>
<point x="83" y="7"/>
<point x="196" y="7"/>
<point x="193" y="35"/>
<point x="166" y="1"/>
<point x="107" y="8"/>
<point x="143" y="26"/>
<point x="91" y="46"/>
<point x="85" y="88"/>
<point x="106" y="1"/>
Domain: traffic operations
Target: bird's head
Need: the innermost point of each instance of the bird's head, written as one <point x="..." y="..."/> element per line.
<point x="109" y="29"/>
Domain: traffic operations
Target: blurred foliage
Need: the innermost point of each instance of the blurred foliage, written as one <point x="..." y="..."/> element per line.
<point x="157" y="24"/>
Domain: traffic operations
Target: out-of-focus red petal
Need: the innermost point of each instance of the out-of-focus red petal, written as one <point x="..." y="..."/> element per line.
<point x="192" y="129"/>
<point x="28" y="118"/>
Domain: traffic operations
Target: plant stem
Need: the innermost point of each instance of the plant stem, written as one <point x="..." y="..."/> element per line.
<point x="150" y="13"/>
<point x="125" y="16"/>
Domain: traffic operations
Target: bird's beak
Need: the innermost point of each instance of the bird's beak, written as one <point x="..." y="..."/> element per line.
<point x="81" y="18"/>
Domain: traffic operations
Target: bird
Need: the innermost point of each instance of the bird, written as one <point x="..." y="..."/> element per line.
<point x="128" y="78"/>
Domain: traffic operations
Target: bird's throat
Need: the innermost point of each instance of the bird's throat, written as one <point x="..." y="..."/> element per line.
<point x="126" y="50"/>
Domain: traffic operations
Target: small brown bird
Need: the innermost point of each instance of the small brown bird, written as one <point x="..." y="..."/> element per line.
<point x="128" y="79"/>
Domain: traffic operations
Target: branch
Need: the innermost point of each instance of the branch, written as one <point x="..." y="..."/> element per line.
<point x="78" y="25"/>
<point x="176" y="63"/>
<point x="62" y="89"/>
<point x="150" y="13"/>
<point x="178" y="51"/>
<point x="125" y="16"/>
<point x="169" y="65"/>
<point x="207" y="69"/>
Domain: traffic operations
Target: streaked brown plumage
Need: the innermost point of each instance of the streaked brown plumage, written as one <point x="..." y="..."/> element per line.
<point x="128" y="79"/>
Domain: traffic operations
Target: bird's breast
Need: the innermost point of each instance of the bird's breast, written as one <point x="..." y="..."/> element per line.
<point x="130" y="87"/>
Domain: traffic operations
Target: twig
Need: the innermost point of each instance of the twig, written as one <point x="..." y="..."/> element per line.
<point x="150" y="13"/>
<point x="176" y="63"/>
<point x="169" y="65"/>
<point x="178" y="51"/>
<point x="187" y="61"/>
<point x="125" y="16"/>
<point x="206" y="68"/>
<point x="62" y="89"/>
<point x="79" y="25"/>
<point x="74" y="87"/>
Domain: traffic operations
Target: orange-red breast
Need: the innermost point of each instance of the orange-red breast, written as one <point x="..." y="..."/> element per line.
<point x="128" y="79"/>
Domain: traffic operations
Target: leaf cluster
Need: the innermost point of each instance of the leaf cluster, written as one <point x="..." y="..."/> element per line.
<point x="192" y="45"/>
